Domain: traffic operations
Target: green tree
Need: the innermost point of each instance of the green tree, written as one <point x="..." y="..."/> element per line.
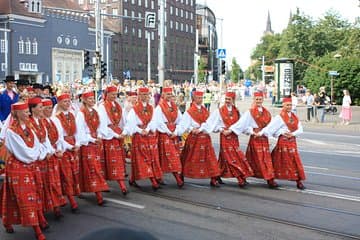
<point x="202" y="70"/>
<point x="235" y="71"/>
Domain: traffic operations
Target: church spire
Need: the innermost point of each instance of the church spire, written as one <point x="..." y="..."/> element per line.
<point x="268" y="26"/>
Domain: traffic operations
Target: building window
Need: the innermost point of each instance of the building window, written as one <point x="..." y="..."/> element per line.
<point x="186" y="14"/>
<point x="103" y="11"/>
<point x="176" y="25"/>
<point x="186" y="28"/>
<point x="139" y="33"/>
<point x="81" y="2"/>
<point x="2" y="45"/>
<point x="171" y="24"/>
<point x="125" y="12"/>
<point x="126" y="29"/>
<point x="103" y="1"/>
<point x="181" y="13"/>
<point x="3" y="67"/>
<point x="191" y="2"/>
<point x="115" y="11"/>
<point x="35" y="6"/>
<point x="34" y="47"/>
<point x="27" y="47"/>
<point x="182" y="27"/>
<point x="91" y="2"/>
<point x="139" y="2"/>
<point x="152" y="36"/>
<point x="146" y="3"/>
<point x="176" y="11"/>
<point x="139" y="15"/>
<point x="132" y="1"/>
<point x="133" y="31"/>
<point x="133" y="14"/>
<point x="191" y="29"/>
<point x="21" y="46"/>
<point x="152" y="5"/>
<point x="191" y="16"/>
<point x="171" y="10"/>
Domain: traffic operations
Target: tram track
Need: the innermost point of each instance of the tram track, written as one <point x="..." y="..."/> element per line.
<point x="260" y="216"/>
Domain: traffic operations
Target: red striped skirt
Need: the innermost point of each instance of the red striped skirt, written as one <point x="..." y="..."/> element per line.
<point x="198" y="157"/>
<point x="259" y="157"/>
<point x="145" y="157"/>
<point x="91" y="178"/>
<point x="20" y="200"/>
<point x="232" y="160"/>
<point x="69" y="173"/>
<point x="169" y="153"/>
<point x="286" y="160"/>
<point x="114" y="159"/>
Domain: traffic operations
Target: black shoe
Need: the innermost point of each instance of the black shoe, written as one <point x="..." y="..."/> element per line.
<point x="300" y="186"/>
<point x="219" y="180"/>
<point x="155" y="188"/>
<point x="124" y="192"/>
<point x="75" y="210"/>
<point x="133" y="184"/>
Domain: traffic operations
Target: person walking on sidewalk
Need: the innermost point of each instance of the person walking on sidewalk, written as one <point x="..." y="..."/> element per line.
<point x="167" y="117"/>
<point x="285" y="156"/>
<point x="232" y="161"/>
<point x="257" y="152"/>
<point x="346" y="113"/>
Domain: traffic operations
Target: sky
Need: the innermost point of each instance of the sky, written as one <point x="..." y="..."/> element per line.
<point x="244" y="21"/>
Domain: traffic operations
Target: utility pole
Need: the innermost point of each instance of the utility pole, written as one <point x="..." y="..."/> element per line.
<point x="263" y="69"/>
<point x="149" y="55"/>
<point x="161" y="63"/>
<point x="98" y="45"/>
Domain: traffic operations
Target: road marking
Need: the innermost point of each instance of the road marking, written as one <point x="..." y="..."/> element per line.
<point x="308" y="191"/>
<point x="334" y="175"/>
<point x="330" y="134"/>
<point x="324" y="194"/>
<point x="313" y="141"/>
<point x="350" y="153"/>
<point x="125" y="203"/>
<point x="319" y="168"/>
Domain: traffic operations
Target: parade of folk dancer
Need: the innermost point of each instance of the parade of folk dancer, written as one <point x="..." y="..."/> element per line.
<point x="88" y="122"/>
<point x="65" y="123"/>
<point x="145" y="162"/>
<point x="258" y="150"/>
<point x="112" y="124"/>
<point x="21" y="203"/>
<point x="53" y="181"/>
<point x="167" y="117"/>
<point x="47" y="166"/>
<point x="232" y="161"/>
<point x="285" y="156"/>
<point x="198" y="156"/>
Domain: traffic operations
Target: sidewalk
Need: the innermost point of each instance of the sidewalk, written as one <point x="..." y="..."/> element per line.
<point x="332" y="121"/>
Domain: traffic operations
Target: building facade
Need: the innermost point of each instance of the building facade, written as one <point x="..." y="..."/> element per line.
<point x="208" y="41"/>
<point x="130" y="51"/>
<point x="38" y="44"/>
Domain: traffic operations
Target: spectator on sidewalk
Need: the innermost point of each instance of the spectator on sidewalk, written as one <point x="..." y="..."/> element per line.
<point x="320" y="106"/>
<point x="309" y="101"/>
<point x="346" y="113"/>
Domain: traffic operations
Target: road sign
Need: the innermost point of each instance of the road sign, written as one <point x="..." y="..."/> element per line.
<point x="150" y="19"/>
<point x="221" y="53"/>
<point x="333" y="73"/>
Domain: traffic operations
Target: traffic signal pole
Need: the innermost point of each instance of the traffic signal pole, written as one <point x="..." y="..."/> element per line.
<point x="98" y="46"/>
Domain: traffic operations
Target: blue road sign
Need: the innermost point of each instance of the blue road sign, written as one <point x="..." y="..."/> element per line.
<point x="221" y="53"/>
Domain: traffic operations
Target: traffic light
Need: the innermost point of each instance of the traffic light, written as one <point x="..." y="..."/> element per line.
<point x="86" y="58"/>
<point x="223" y="67"/>
<point x="103" y="69"/>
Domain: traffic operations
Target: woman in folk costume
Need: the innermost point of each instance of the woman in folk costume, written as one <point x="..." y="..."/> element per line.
<point x="112" y="132"/>
<point x="38" y="127"/>
<point x="144" y="152"/>
<point x="198" y="156"/>
<point x="69" y="164"/>
<point x="88" y="122"/>
<point x="52" y="184"/>
<point x="257" y="152"/>
<point x="20" y="202"/>
<point x="167" y="117"/>
<point x="285" y="156"/>
<point x="232" y="160"/>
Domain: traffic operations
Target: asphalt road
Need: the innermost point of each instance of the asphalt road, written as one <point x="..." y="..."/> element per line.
<point x="328" y="209"/>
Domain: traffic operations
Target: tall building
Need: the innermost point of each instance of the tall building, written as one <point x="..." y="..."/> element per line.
<point x="130" y="50"/>
<point x="208" y="40"/>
